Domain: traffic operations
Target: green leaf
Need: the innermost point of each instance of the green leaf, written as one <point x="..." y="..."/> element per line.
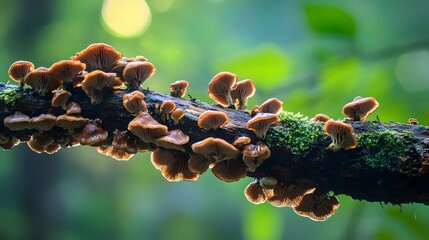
<point x="330" y="20"/>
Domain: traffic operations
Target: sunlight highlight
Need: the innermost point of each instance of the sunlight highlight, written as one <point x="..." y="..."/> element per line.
<point x="126" y="18"/>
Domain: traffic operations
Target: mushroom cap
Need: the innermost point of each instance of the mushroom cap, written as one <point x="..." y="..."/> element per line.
<point x="70" y="122"/>
<point x="254" y="155"/>
<point x="95" y="81"/>
<point x="241" y="92"/>
<point x="212" y="120"/>
<point x="342" y="135"/>
<point x="73" y="108"/>
<point x="255" y="193"/>
<point x="220" y="88"/>
<point x="122" y="148"/>
<point x="66" y="70"/>
<point x="60" y="98"/>
<point x="261" y="122"/>
<point x="177" y="114"/>
<point x="17" y="121"/>
<point x="243" y="140"/>
<point x="147" y="128"/>
<point x="360" y="108"/>
<point x="413" y="121"/>
<point x="197" y="163"/>
<point x="230" y="170"/>
<point x="167" y="107"/>
<point x="320" y="117"/>
<point x="289" y="195"/>
<point x="119" y="68"/>
<point x="135" y="73"/>
<point x="215" y="149"/>
<point x="19" y="69"/>
<point x="43" y="122"/>
<point x="268" y="182"/>
<point x="173" y="140"/>
<point x="9" y="143"/>
<point x="41" y="81"/>
<point x="317" y="207"/>
<point x="173" y="165"/>
<point x="133" y="102"/>
<point x="178" y="88"/>
<point x="98" y="56"/>
<point x="272" y="105"/>
<point x="91" y="134"/>
<point x="40" y="141"/>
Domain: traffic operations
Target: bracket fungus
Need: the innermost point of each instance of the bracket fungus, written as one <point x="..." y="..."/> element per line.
<point x="220" y="88"/>
<point x="178" y="88"/>
<point x="242" y="91"/>
<point x="17" y="121"/>
<point x="92" y="133"/>
<point x="66" y="70"/>
<point x="135" y="73"/>
<point x="197" y="163"/>
<point x="320" y="117"/>
<point x="41" y="81"/>
<point x="177" y="114"/>
<point x="71" y="122"/>
<point x="254" y="155"/>
<point x="173" y="165"/>
<point x="60" y="98"/>
<point x="241" y="141"/>
<point x="43" y="122"/>
<point x="215" y="149"/>
<point x="318" y="207"/>
<point x="122" y="147"/>
<point x="289" y="195"/>
<point x="360" y="108"/>
<point x="173" y="140"/>
<point x="98" y="56"/>
<point x="212" y="120"/>
<point x="230" y="170"/>
<point x="261" y="122"/>
<point x="147" y="128"/>
<point x="166" y="108"/>
<point x="342" y="135"/>
<point x="19" y="69"/>
<point x="94" y="82"/>
<point x="133" y="102"/>
<point x="272" y="105"/>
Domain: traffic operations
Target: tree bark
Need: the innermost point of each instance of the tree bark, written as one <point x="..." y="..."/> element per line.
<point x="386" y="166"/>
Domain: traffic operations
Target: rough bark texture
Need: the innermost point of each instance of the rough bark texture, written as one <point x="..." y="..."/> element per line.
<point x="384" y="167"/>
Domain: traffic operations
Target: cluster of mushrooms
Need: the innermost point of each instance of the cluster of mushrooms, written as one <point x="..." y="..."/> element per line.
<point x="100" y="68"/>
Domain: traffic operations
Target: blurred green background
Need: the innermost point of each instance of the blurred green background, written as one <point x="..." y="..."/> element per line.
<point x="314" y="55"/>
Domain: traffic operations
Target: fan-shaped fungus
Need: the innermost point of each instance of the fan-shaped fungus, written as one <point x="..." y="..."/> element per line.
<point x="342" y="135"/>
<point x="98" y="56"/>
<point x="173" y="140"/>
<point x="289" y="195"/>
<point x="73" y="108"/>
<point x="66" y="70"/>
<point x="241" y="141"/>
<point x="178" y="88"/>
<point x="318" y="207"/>
<point x="220" y="88"/>
<point x="242" y="91"/>
<point x="17" y="121"/>
<point x="215" y="149"/>
<point x="360" y="108"/>
<point x="135" y="73"/>
<point x="254" y="155"/>
<point x="19" y="69"/>
<point x="261" y="122"/>
<point x="41" y="81"/>
<point x="121" y="149"/>
<point x="60" y="98"/>
<point x="320" y="117"/>
<point x="177" y="114"/>
<point x="230" y="170"/>
<point x="95" y="81"/>
<point x="413" y="121"/>
<point x="134" y="102"/>
<point x="43" y="122"/>
<point x="92" y="133"/>
<point x="212" y="120"/>
<point x="167" y="107"/>
<point x="173" y="165"/>
<point x="147" y="128"/>
<point x="255" y="193"/>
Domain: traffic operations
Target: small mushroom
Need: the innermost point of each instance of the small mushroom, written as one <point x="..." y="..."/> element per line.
<point x="342" y="135"/>
<point x="215" y="149"/>
<point x="173" y="165"/>
<point x="242" y="91"/>
<point x="289" y="195"/>
<point x="261" y="122"/>
<point x="41" y="81"/>
<point x="167" y="107"/>
<point x="19" y="69"/>
<point x="60" y="98"/>
<point x="73" y="108"/>
<point x="241" y="141"/>
<point x="177" y="114"/>
<point x="134" y="102"/>
<point x="178" y="88"/>
<point x="212" y="120"/>
<point x="43" y="142"/>
<point x="230" y="170"/>
<point x="413" y="121"/>
<point x="135" y="73"/>
<point x="122" y="147"/>
<point x="255" y="193"/>
<point x="8" y="143"/>
<point x="43" y="122"/>
<point x="147" y="128"/>
<point x="95" y="81"/>
<point x="220" y="88"/>
<point x="320" y="117"/>
<point x="17" y="121"/>
<point x="70" y="122"/>
<point x="92" y="133"/>
<point x="66" y="70"/>
<point x="254" y="155"/>
<point x="317" y="207"/>
<point x="119" y="68"/>
<point x="98" y="56"/>
<point x="175" y="139"/>
<point x="360" y="108"/>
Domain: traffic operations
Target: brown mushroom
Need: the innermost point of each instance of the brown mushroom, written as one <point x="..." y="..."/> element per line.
<point x="73" y="108"/>
<point x="119" y="68"/>
<point x="70" y="122"/>
<point x="241" y="141"/>
<point x="135" y="73"/>
<point x="320" y="117"/>
<point x="268" y="182"/>
<point x="177" y="114"/>
<point x="212" y="120"/>
<point x="43" y="122"/>
<point x="254" y="155"/>
<point x="178" y="88"/>
<point x="197" y="163"/>
<point x="98" y="56"/>
<point x="289" y="195"/>
<point x="230" y="170"/>
<point x="92" y="133"/>
<point x="413" y="121"/>
<point x="215" y="149"/>
<point x="95" y="81"/>
<point x="255" y="193"/>
<point x="8" y="143"/>
<point x="19" y="69"/>
<point x="173" y="165"/>
<point x="342" y="135"/>
<point x="261" y="122"/>
<point x="272" y="105"/>
<point x="41" y="81"/>
<point x="17" y="121"/>
<point x="43" y="142"/>
<point x="175" y="139"/>
<point x="318" y="207"/>
<point x="66" y="70"/>
<point x="133" y="102"/>
<point x="360" y="108"/>
<point x="220" y="88"/>
<point x="167" y="107"/>
<point x="242" y="91"/>
<point x="60" y="98"/>
<point x="122" y="147"/>
<point x="147" y="128"/>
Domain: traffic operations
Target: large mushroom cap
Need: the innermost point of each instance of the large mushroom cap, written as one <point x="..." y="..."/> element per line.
<point x="318" y="207"/>
<point x="220" y="88"/>
<point x="66" y="70"/>
<point x="17" y="121"/>
<point x="261" y="122"/>
<point x="19" y="69"/>
<point x="173" y="165"/>
<point x="342" y="135"/>
<point x="212" y="120"/>
<point x="95" y="81"/>
<point x="41" y="81"/>
<point x="360" y="108"/>
<point x="70" y="122"/>
<point x="230" y="170"/>
<point x="272" y="105"/>
<point x="147" y="128"/>
<point x="173" y="140"/>
<point x="98" y="56"/>
<point x="135" y="73"/>
<point x="255" y="193"/>
<point x="242" y="91"/>
<point x="289" y="195"/>
<point x="215" y="149"/>
<point x="197" y="163"/>
<point x="43" y="122"/>
<point x="178" y="88"/>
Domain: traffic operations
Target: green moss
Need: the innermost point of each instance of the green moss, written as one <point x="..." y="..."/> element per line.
<point x="10" y="96"/>
<point x="296" y="132"/>
<point x="383" y="147"/>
